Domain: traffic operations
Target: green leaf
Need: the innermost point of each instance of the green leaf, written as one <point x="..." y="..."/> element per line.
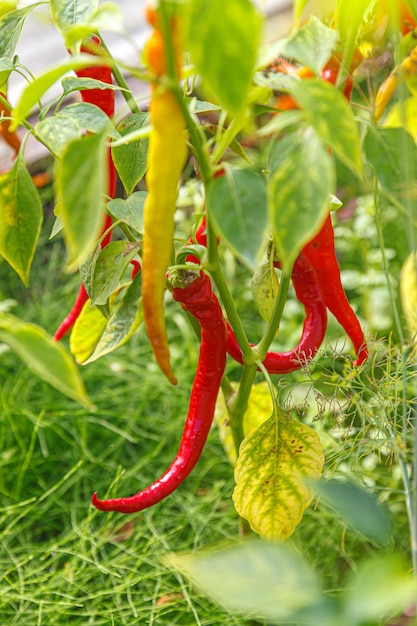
<point x="33" y="92"/>
<point x="393" y="155"/>
<point x="265" y="286"/>
<point x="57" y="131"/>
<point x="237" y="202"/>
<point x="67" y="13"/>
<point x="302" y="178"/>
<point x="382" y="588"/>
<point x="110" y="267"/>
<point x="6" y="68"/>
<point x="261" y="579"/>
<point x="358" y="508"/>
<point x="21" y="216"/>
<point x="130" y="210"/>
<point x="311" y="45"/>
<point x="108" y="16"/>
<point x="73" y="83"/>
<point x="125" y="318"/>
<point x="219" y="32"/>
<point x="271" y="475"/>
<point x="130" y="160"/>
<point x="45" y="357"/>
<point x="80" y="184"/>
<point x="11" y="24"/>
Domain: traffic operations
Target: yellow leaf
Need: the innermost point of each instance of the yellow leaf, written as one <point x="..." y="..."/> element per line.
<point x="259" y="409"/>
<point x="275" y="460"/>
<point x="86" y="332"/>
<point x="408" y="293"/>
<point x="403" y="115"/>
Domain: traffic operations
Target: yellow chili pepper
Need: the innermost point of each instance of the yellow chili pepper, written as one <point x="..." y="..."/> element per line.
<point x="404" y="70"/>
<point x="166" y="156"/>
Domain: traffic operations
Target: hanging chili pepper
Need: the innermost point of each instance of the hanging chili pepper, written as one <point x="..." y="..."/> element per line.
<point x="104" y="99"/>
<point x="321" y="255"/>
<point x="198" y="299"/>
<point x="11" y="138"/>
<point x="166" y="157"/>
<point x="406" y="69"/>
<point x="314" y="328"/>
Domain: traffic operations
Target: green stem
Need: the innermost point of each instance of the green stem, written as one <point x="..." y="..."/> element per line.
<point x="409" y="486"/>
<point x="273" y="324"/>
<point x="120" y="80"/>
<point x="237" y="408"/>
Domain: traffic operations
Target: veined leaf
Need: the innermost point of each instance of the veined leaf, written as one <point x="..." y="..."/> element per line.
<point x="67" y="13"/>
<point x="80" y="184"/>
<point x="265" y="286"/>
<point x="66" y="125"/>
<point x="130" y="210"/>
<point x="34" y="91"/>
<point x="20" y="218"/>
<point x="393" y="156"/>
<point x="219" y="32"/>
<point x="131" y="159"/>
<point x="45" y="357"/>
<point x="110" y="266"/>
<point x="311" y="45"/>
<point x="237" y="202"/>
<point x="6" y="68"/>
<point x="93" y="335"/>
<point x="301" y="181"/>
<point x="11" y="23"/>
<point x="271" y="475"/>
<point x="125" y="318"/>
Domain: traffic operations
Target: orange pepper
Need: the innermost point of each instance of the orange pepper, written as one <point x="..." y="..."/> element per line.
<point x="166" y="157"/>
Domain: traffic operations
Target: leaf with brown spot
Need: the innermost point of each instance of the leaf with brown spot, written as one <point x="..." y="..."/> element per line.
<point x="275" y="460"/>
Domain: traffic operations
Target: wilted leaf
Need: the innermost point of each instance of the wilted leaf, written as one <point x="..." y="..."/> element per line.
<point x="265" y="286"/>
<point x="86" y="332"/>
<point x="274" y="462"/>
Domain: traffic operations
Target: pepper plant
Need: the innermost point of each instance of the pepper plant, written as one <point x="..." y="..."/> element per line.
<point x="265" y="132"/>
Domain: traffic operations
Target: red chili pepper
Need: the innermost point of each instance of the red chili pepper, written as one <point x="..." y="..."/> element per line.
<point x="314" y="328"/>
<point x="104" y="99"/>
<point x="198" y="299"/>
<point x="320" y="253"/>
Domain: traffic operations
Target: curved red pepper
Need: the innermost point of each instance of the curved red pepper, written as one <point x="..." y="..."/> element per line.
<point x="104" y="99"/>
<point x="198" y="299"/>
<point x="314" y="328"/>
<point x="320" y="253"/>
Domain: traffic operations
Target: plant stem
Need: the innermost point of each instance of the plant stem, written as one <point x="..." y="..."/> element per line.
<point x="120" y="80"/>
<point x="409" y="486"/>
<point x="273" y="323"/>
